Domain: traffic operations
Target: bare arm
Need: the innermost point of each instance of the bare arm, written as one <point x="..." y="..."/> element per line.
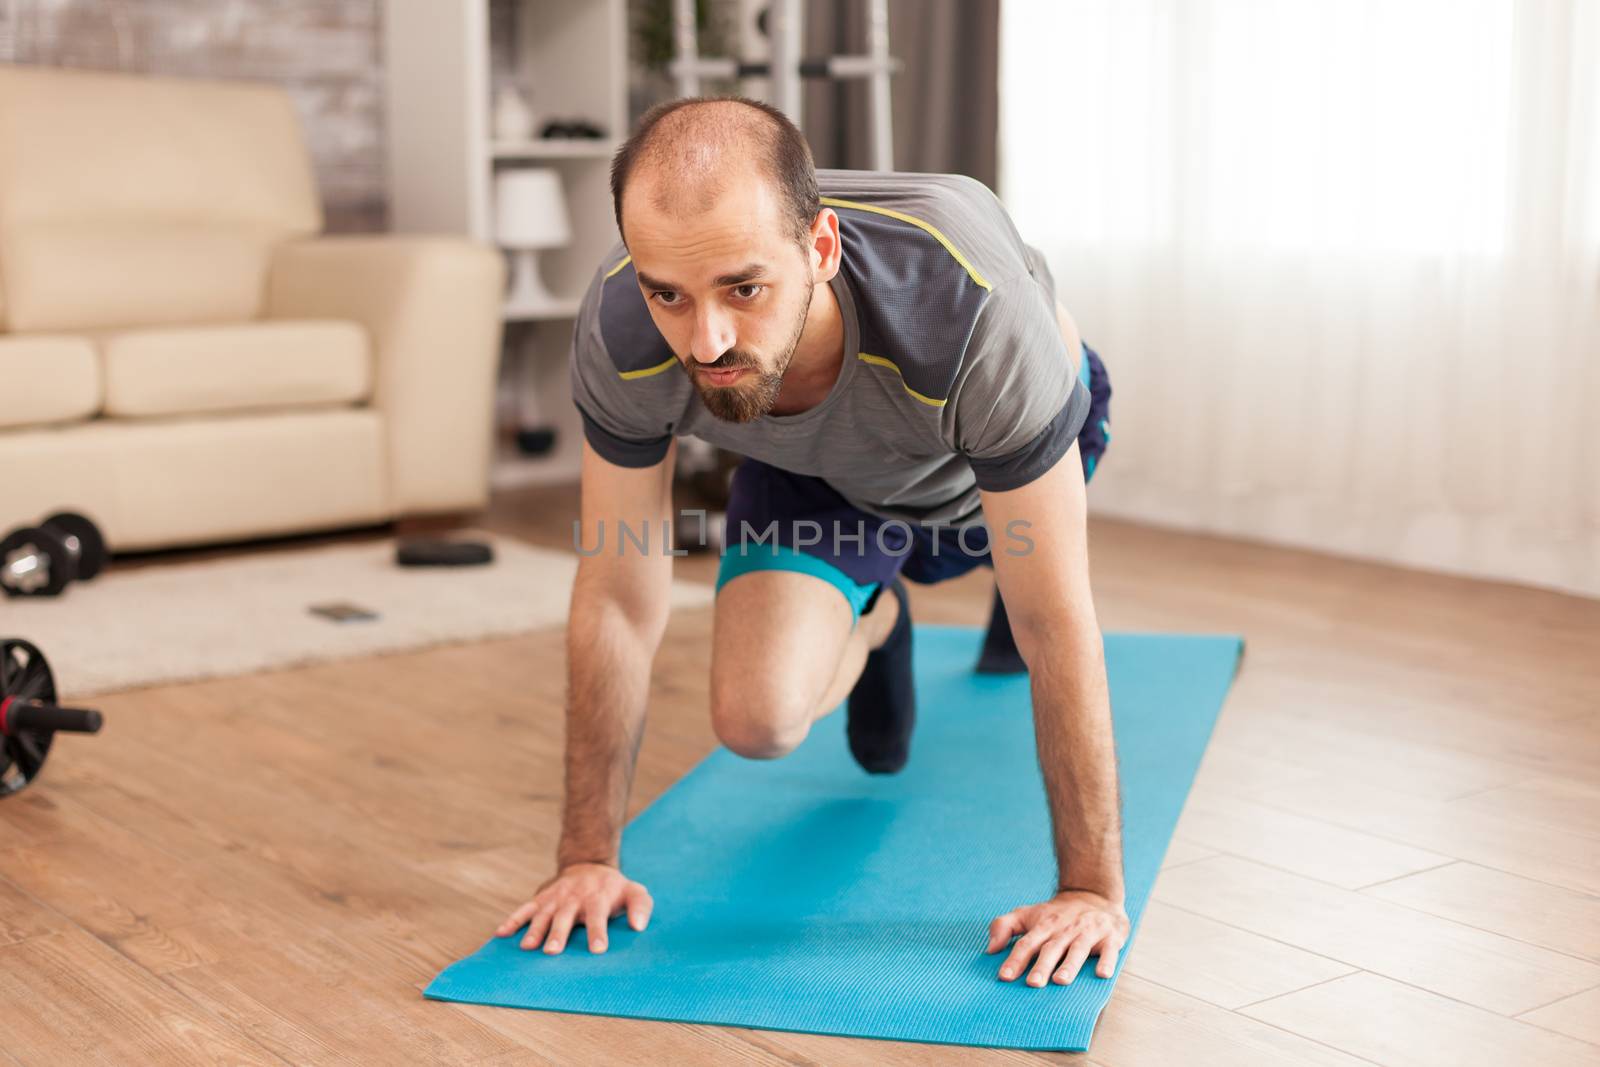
<point x="1039" y="547"/>
<point x="618" y="613"/>
<point x="1044" y="581"/>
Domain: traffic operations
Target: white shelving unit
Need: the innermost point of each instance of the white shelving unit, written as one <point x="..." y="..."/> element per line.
<point x="569" y="57"/>
<point x="553" y="148"/>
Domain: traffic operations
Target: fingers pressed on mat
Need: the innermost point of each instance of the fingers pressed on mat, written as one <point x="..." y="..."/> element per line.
<point x="594" y="921"/>
<point x="639" y="906"/>
<point x="561" y="928"/>
<point x="1049" y="956"/>
<point x="538" y="926"/>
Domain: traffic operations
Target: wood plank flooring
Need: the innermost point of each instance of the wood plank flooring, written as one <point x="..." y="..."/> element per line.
<point x="1391" y="854"/>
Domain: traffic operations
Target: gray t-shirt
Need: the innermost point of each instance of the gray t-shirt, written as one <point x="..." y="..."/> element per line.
<point x="955" y="374"/>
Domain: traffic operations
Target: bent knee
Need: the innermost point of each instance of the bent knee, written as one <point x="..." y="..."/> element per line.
<point x="758" y="727"/>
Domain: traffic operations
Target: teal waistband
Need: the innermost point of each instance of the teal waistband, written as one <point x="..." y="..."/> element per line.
<point x="742" y="559"/>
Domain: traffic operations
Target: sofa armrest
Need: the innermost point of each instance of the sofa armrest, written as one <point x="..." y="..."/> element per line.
<point x="431" y="307"/>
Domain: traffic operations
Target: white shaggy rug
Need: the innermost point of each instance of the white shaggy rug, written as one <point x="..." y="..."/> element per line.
<point x="214" y="618"/>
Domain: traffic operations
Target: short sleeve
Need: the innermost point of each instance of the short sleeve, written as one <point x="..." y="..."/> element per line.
<point x="1019" y="405"/>
<point x="612" y="423"/>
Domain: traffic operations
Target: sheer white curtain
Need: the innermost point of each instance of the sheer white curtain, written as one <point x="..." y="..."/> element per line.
<point x="1342" y="260"/>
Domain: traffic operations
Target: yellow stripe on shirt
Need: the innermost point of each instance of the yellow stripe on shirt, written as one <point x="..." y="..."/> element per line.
<point x="880" y="361"/>
<point x="832" y="201"/>
<point x="629" y="375"/>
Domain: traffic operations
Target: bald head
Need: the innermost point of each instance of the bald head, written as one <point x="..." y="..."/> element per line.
<point x="686" y="153"/>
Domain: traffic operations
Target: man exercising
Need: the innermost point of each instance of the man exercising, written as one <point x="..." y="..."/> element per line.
<point x="911" y="400"/>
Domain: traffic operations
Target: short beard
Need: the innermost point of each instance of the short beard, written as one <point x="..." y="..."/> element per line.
<point x="748" y="401"/>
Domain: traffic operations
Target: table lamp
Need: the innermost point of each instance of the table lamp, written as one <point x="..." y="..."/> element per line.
<point x="530" y="214"/>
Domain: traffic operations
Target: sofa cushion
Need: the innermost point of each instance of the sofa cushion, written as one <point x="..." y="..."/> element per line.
<point x="76" y="276"/>
<point x="47" y="379"/>
<point x="158" y="483"/>
<point x="193" y="369"/>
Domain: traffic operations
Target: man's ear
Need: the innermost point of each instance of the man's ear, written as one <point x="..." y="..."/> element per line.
<point x="825" y="252"/>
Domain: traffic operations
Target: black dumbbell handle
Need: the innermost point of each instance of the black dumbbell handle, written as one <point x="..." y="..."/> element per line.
<point x="16" y="716"/>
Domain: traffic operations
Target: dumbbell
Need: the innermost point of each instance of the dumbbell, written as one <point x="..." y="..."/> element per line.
<point x="41" y="560"/>
<point x="29" y="715"/>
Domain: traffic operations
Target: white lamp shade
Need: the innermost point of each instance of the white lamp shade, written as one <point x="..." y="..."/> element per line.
<point x="530" y="209"/>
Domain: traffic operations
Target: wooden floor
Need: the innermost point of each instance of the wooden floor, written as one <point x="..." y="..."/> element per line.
<point x="1392" y="853"/>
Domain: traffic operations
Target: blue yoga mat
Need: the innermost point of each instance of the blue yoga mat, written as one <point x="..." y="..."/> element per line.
<point x="804" y="894"/>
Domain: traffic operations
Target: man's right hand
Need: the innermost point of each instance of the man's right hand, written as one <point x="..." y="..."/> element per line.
<point x="590" y="892"/>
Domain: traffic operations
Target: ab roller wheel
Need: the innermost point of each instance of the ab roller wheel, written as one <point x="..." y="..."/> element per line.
<point x="41" y="560"/>
<point x="29" y="715"/>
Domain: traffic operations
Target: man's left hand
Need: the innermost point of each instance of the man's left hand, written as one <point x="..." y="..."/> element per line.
<point x="1062" y="932"/>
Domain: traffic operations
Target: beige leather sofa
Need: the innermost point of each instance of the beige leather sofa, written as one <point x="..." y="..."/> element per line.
<point x="185" y="360"/>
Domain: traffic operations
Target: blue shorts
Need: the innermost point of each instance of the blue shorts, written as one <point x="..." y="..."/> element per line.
<point x="805" y="513"/>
